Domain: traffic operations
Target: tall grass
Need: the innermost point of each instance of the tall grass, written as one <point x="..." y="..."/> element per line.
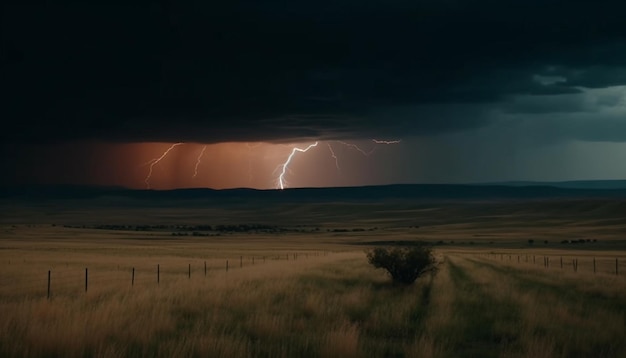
<point x="325" y="302"/>
<point x="333" y="305"/>
<point x="550" y="313"/>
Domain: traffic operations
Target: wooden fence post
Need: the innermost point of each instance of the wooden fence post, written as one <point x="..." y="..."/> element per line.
<point x="204" y="268"/>
<point x="132" y="278"/>
<point x="48" y="284"/>
<point x="86" y="276"/>
<point x="240" y="261"/>
<point x="226" y="265"/>
<point x="594" y="265"/>
<point x="189" y="270"/>
<point x="616" y="266"/>
<point x="158" y="274"/>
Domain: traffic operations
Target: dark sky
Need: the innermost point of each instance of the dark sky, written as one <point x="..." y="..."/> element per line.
<point x="477" y="90"/>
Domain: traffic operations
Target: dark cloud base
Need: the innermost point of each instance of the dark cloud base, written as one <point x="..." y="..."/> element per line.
<point x="250" y="70"/>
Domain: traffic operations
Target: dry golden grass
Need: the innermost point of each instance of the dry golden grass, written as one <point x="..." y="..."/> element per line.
<point x="312" y="294"/>
<point x="552" y="313"/>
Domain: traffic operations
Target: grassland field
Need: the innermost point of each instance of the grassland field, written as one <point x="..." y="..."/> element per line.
<point x="303" y="288"/>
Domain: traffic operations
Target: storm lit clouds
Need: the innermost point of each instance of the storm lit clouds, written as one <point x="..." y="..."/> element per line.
<point x="477" y="91"/>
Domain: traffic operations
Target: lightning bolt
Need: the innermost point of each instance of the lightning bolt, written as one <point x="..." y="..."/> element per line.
<point x="357" y="148"/>
<point x="332" y="153"/>
<point x="386" y="141"/>
<point x="155" y="161"/>
<point x="285" y="165"/>
<point x="195" y="170"/>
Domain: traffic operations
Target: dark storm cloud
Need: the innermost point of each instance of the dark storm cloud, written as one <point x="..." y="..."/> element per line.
<point x="275" y="70"/>
<point x="597" y="77"/>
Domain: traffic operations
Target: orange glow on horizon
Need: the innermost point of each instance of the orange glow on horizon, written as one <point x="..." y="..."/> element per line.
<point x="162" y="166"/>
<point x="222" y="165"/>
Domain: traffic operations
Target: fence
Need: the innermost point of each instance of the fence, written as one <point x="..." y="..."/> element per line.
<point x="26" y="279"/>
<point x="592" y="264"/>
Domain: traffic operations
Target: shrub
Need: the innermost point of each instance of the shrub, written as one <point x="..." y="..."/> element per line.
<point x="404" y="264"/>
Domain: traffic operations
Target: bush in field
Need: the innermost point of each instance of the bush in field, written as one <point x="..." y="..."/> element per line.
<point x="404" y="264"/>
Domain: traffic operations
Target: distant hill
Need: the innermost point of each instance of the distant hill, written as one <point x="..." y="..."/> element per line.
<point x="513" y="190"/>
<point x="575" y="184"/>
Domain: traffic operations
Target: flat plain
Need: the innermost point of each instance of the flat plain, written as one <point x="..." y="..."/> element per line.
<point x="120" y="277"/>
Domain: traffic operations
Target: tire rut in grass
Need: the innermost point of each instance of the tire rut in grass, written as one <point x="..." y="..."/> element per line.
<point x="422" y="308"/>
<point x="393" y="337"/>
<point x="478" y="316"/>
<point x="568" y="291"/>
<point x="579" y="312"/>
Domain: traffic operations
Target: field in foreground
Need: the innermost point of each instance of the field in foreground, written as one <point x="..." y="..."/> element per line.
<point x="309" y="292"/>
<point x="320" y="306"/>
